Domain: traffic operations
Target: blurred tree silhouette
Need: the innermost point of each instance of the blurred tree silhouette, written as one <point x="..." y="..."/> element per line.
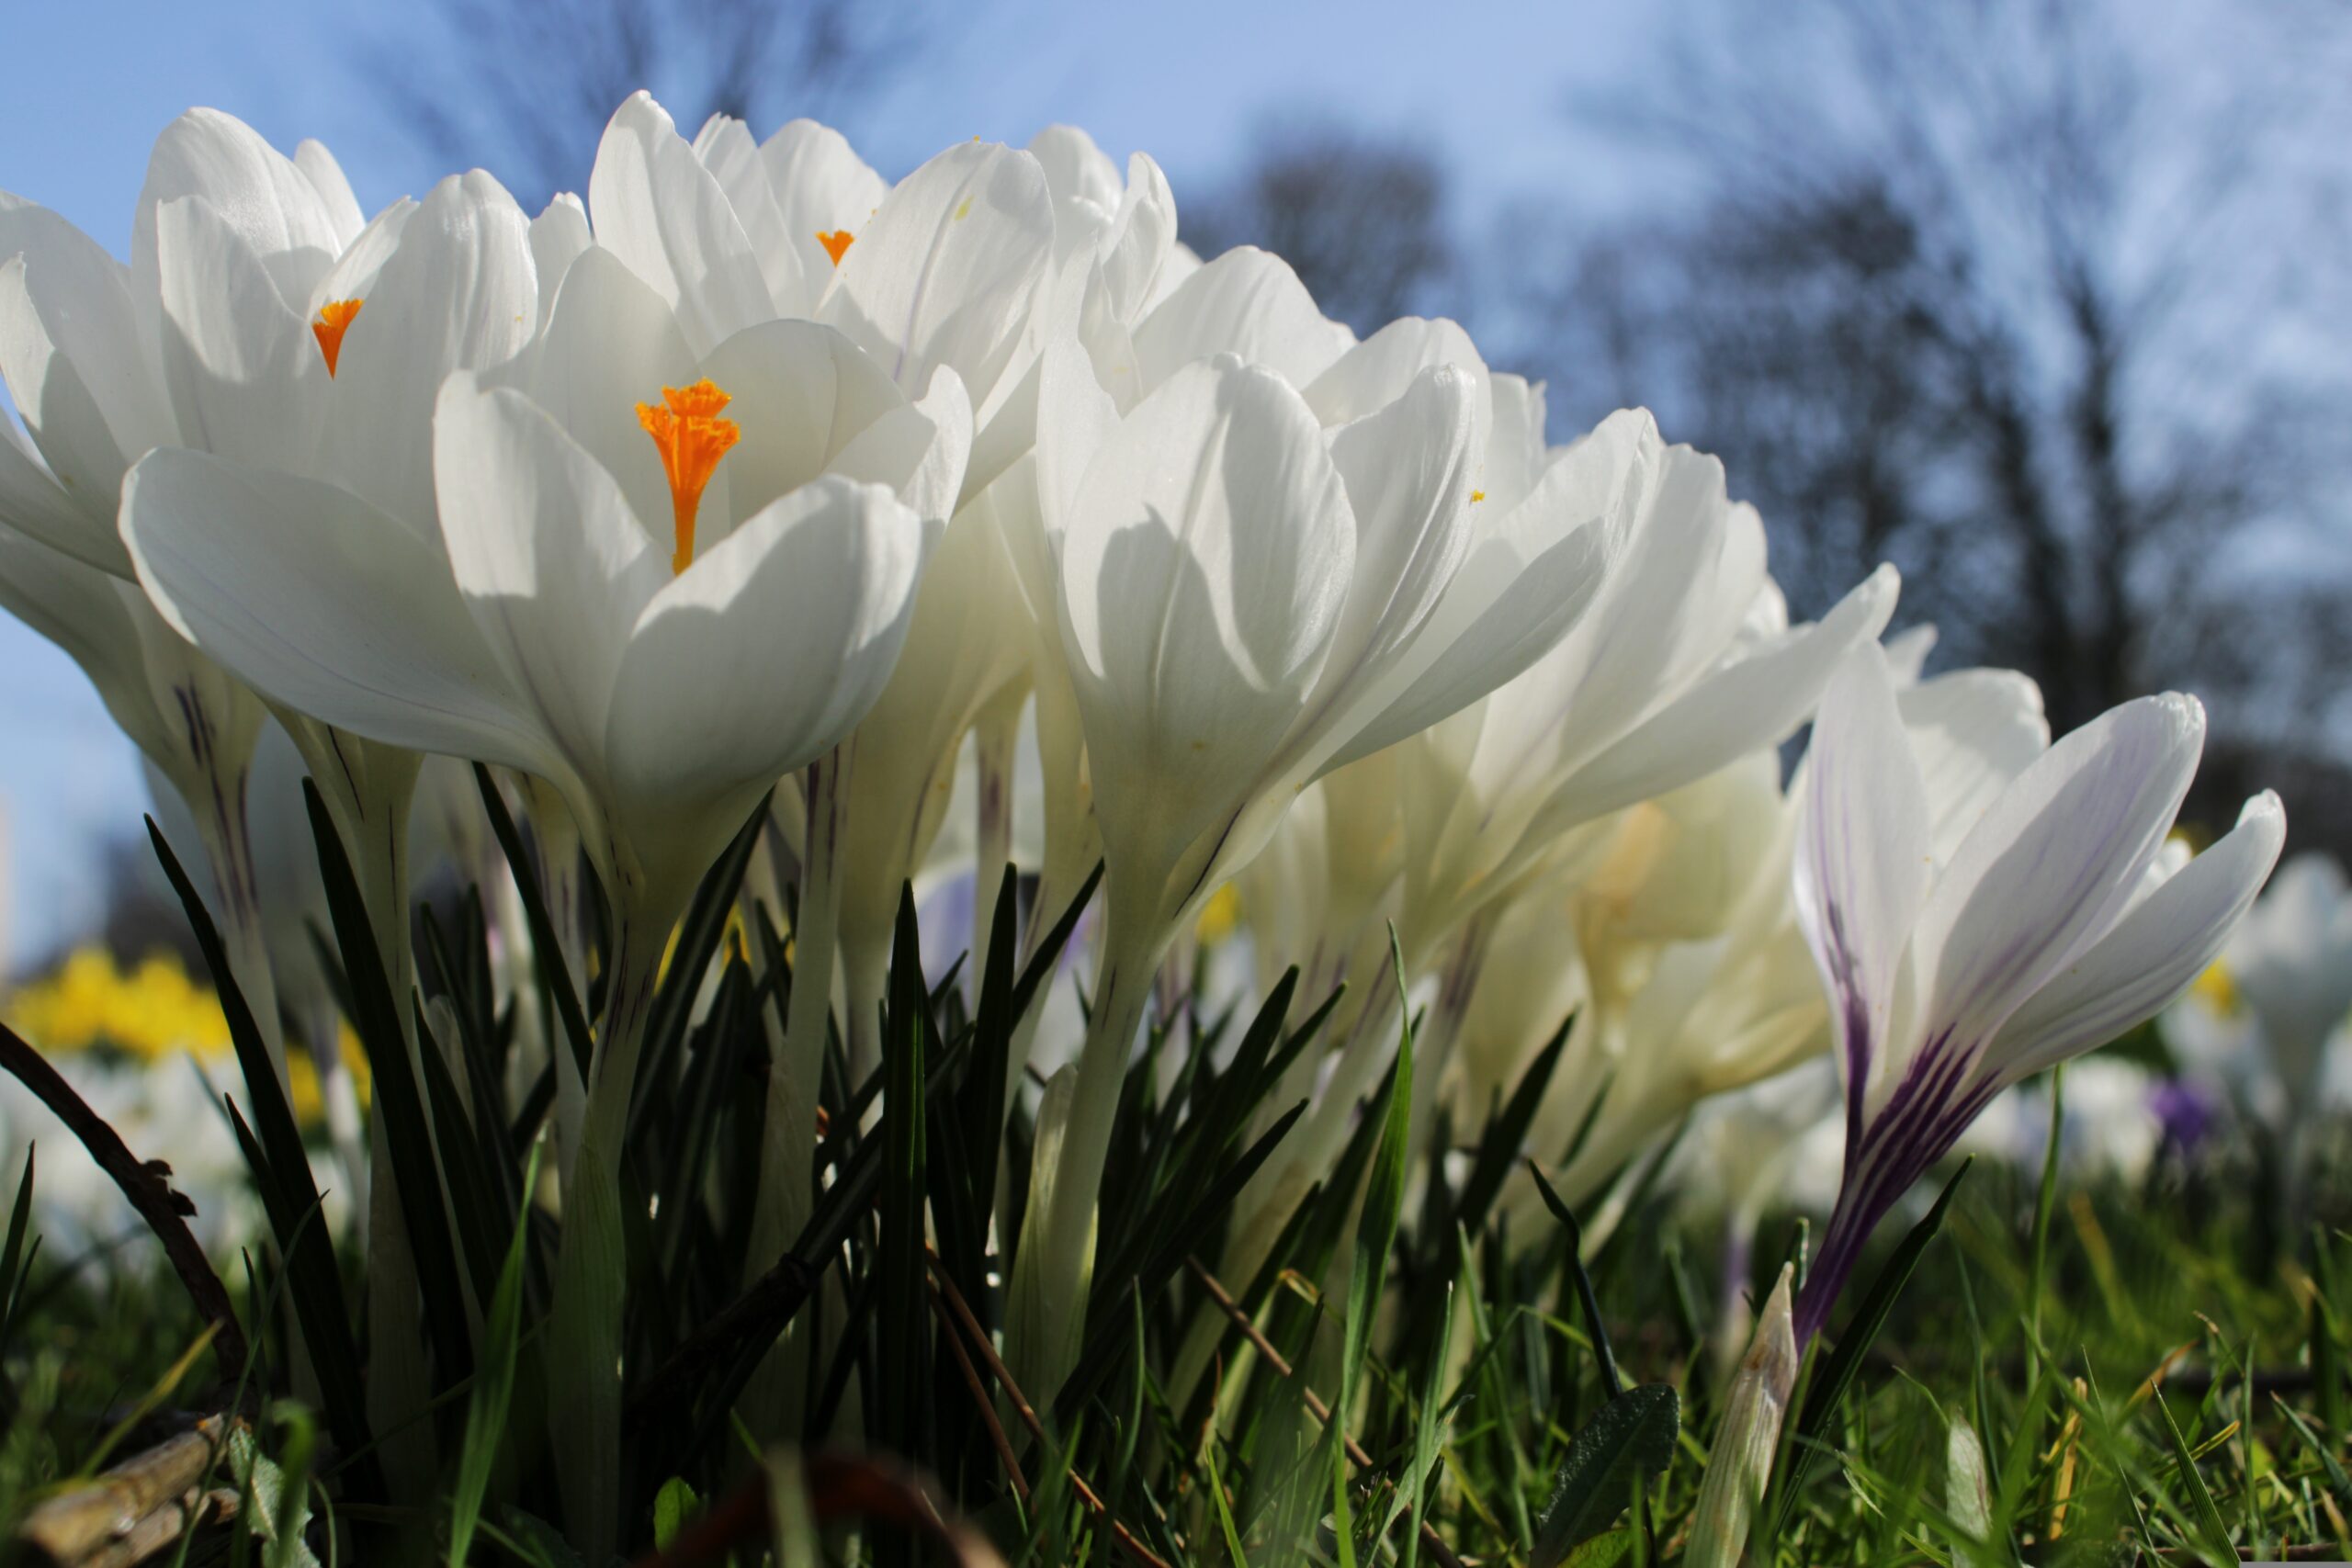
<point x="1999" y="291"/>
<point x="534" y="81"/>
<point x="1974" y="290"/>
<point x="1360" y="218"/>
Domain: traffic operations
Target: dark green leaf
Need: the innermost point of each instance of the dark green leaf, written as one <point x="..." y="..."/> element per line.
<point x="1631" y="1440"/>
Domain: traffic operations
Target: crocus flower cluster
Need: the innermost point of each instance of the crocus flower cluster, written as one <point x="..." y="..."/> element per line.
<point x="756" y="481"/>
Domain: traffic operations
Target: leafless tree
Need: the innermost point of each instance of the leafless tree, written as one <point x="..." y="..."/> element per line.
<point x="531" y="82"/>
<point x="2002" y="292"/>
<point x="1360" y="218"/>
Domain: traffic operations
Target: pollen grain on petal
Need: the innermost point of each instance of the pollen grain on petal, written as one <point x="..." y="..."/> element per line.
<point x="836" y="243"/>
<point x="1477" y="495"/>
<point x="692" y="438"/>
<point x="333" y="319"/>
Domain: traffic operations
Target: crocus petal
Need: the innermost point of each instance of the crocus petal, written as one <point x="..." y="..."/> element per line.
<point x="83" y="611"/>
<point x="1375" y="372"/>
<point x="1517" y="595"/>
<point x="611" y="343"/>
<point x="1756" y="701"/>
<point x="1078" y="173"/>
<point x="1246" y="303"/>
<point x="2052" y="863"/>
<point x="34" y="503"/>
<point x="659" y="209"/>
<point x="545" y="551"/>
<point x="919" y="450"/>
<point x="2153" y="954"/>
<point x="318" y="600"/>
<point x="1973" y="731"/>
<point x="1407" y="473"/>
<point x="1143" y="231"/>
<point x="1204" y="572"/>
<point x="1862" y="865"/>
<point x="353" y="274"/>
<point x="460" y="292"/>
<point x="1526" y="583"/>
<point x="1075" y="417"/>
<point x="336" y="202"/>
<point x="70" y="351"/>
<point x="765" y="651"/>
<point x="802" y="393"/>
<point x="559" y="236"/>
<point x="725" y="146"/>
<point x="1515" y="452"/>
<point x="245" y="372"/>
<point x="822" y="186"/>
<point x="281" y="211"/>
<point x="945" y="271"/>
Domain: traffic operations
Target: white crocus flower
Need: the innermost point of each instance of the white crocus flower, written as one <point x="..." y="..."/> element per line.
<point x="1699" y="973"/>
<point x="194" y="724"/>
<point x="934" y="278"/>
<point x="1243" y="596"/>
<point x="2052" y="928"/>
<point x="606" y="607"/>
<point x="2292" y="961"/>
<point x="1685" y="663"/>
<point x="247" y="269"/>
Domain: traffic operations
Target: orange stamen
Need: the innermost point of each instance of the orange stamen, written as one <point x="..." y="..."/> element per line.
<point x="836" y="243"/>
<point x="334" y="319"/>
<point x="692" y="438"/>
<point x="1477" y="495"/>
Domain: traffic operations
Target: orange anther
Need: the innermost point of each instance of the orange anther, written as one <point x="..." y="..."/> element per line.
<point x="692" y="438"/>
<point x="333" y="321"/>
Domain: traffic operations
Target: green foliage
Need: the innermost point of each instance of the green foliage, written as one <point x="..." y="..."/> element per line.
<point x="1506" y="1391"/>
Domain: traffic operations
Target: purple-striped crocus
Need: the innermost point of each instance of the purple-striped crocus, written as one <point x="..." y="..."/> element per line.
<point x="2052" y="928"/>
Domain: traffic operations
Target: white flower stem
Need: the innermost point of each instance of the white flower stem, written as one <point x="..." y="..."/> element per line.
<point x="217" y="802"/>
<point x="585" y="1330"/>
<point x="1055" y="1271"/>
<point x="993" y="737"/>
<point x="786" y="1198"/>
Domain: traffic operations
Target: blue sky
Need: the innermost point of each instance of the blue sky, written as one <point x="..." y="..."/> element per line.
<point x="1484" y="82"/>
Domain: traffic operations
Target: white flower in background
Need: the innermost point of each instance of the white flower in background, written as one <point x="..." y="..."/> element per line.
<point x="194" y="724"/>
<point x="2292" y="963"/>
<point x="1243" y="597"/>
<point x="261" y="319"/>
<point x="1690" y="927"/>
<point x="2044" y="935"/>
<point x="2109" y="1127"/>
<point x="1686" y="662"/>
<point x="167" y="1111"/>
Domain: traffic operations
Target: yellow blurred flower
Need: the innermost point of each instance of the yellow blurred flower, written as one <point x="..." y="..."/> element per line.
<point x="154" y="1011"/>
<point x="2216" y="988"/>
<point x="1218" y="916"/>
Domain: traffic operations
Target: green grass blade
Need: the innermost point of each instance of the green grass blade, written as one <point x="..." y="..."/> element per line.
<point x="494" y="1386"/>
<point x="1610" y="1379"/>
<point x="416" y="1164"/>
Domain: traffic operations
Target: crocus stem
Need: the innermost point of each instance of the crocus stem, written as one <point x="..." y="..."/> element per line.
<point x="584" y="1331"/>
<point x="217" y="800"/>
<point x="993" y="736"/>
<point x="786" y="1198"/>
<point x="1825" y="1281"/>
<point x="1433" y="1043"/>
<point x="1055" y="1271"/>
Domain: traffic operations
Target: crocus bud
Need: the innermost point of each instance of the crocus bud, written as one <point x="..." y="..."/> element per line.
<point x="1968" y="1496"/>
<point x="1742" y="1461"/>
